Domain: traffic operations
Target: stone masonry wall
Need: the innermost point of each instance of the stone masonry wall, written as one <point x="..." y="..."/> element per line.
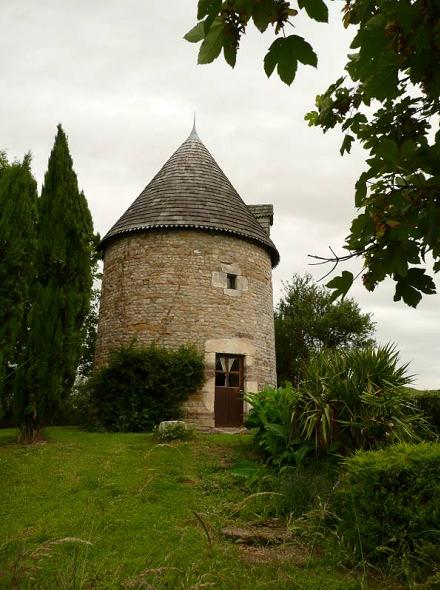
<point x="169" y="288"/>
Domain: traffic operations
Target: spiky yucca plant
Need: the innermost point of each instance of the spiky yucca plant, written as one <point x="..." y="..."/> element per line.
<point x="355" y="400"/>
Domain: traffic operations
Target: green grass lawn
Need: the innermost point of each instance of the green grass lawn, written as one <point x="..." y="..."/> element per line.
<point x="117" y="511"/>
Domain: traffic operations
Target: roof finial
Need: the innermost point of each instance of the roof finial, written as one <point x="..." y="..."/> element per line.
<point x="193" y="134"/>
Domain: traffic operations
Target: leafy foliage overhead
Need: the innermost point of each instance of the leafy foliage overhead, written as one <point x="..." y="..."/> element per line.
<point x="387" y="100"/>
<point x="221" y="25"/>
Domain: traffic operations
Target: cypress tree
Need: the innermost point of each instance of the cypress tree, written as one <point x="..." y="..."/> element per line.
<point x="90" y="326"/>
<point x="3" y="161"/>
<point x="18" y="219"/>
<point x="62" y="300"/>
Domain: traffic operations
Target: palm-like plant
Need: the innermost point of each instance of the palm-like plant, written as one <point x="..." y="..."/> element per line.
<point x="347" y="400"/>
<point x="355" y="400"/>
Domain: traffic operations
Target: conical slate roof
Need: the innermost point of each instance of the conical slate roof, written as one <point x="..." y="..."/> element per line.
<point x="191" y="191"/>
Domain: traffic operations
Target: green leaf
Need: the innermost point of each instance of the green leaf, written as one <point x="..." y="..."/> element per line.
<point x="316" y="9"/>
<point x="346" y="144"/>
<point x="244" y="6"/>
<point x="230" y="50"/>
<point x="212" y="44"/>
<point x="208" y="8"/>
<point x="284" y="53"/>
<point x="405" y="15"/>
<point x="270" y="61"/>
<point x="302" y="50"/>
<point x="360" y="224"/>
<point x="361" y="190"/>
<point x="312" y="118"/>
<point x="388" y="150"/>
<point x="409" y="148"/>
<point x="262" y="14"/>
<point x="421" y="280"/>
<point x="357" y="121"/>
<point x="409" y="294"/>
<point x="383" y="84"/>
<point x="410" y="287"/>
<point x="277" y="429"/>
<point x="196" y="34"/>
<point x="340" y="285"/>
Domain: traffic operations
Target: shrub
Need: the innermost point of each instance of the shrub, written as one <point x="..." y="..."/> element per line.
<point x="271" y="416"/>
<point x="388" y="503"/>
<point x="428" y="401"/>
<point x="75" y="410"/>
<point x="355" y="399"/>
<point x="347" y="400"/>
<point x="141" y="387"/>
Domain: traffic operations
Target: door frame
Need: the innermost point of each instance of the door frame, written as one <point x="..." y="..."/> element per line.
<point x="230" y="392"/>
<point x="236" y="345"/>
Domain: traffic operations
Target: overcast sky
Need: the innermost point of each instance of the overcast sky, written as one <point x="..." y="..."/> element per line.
<point x="124" y="84"/>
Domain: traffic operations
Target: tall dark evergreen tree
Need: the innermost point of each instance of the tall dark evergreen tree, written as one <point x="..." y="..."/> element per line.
<point x="90" y="326"/>
<point x="53" y="348"/>
<point x="3" y="161"/>
<point x="18" y="226"/>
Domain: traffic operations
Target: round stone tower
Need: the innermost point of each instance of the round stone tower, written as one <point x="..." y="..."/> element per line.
<point x="190" y="262"/>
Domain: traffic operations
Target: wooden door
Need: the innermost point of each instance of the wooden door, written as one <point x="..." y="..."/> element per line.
<point x="228" y="405"/>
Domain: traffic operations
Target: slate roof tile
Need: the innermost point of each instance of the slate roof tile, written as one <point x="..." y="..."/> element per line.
<point x="191" y="191"/>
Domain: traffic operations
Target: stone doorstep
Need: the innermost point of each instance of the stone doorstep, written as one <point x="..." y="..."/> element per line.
<point x="206" y="426"/>
<point x="226" y="430"/>
<point x="216" y="430"/>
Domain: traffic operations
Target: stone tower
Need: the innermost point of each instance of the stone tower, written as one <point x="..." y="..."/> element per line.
<point x="190" y="262"/>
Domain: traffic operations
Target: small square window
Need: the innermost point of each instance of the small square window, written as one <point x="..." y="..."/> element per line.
<point x="231" y="281"/>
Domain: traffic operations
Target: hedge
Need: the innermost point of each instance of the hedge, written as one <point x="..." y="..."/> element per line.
<point x="141" y="387"/>
<point x="388" y="503"/>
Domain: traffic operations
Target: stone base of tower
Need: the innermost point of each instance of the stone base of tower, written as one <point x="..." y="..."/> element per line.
<point x="196" y="414"/>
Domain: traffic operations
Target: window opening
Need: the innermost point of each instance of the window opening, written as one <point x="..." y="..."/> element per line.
<point x="231" y="281"/>
<point x="220" y="379"/>
<point x="234" y="380"/>
<point x="228" y="371"/>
